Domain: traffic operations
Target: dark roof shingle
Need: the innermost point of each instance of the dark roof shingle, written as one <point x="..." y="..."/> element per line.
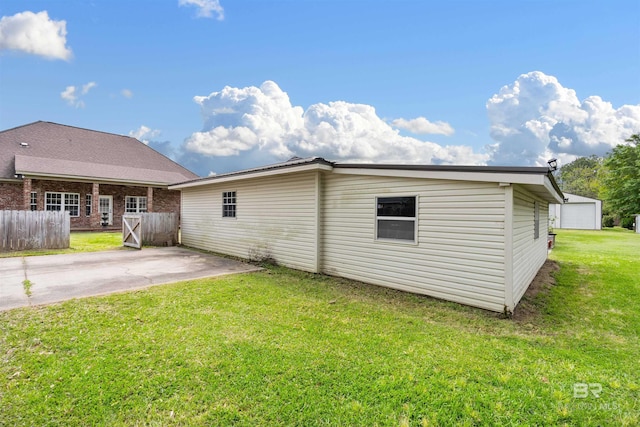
<point x="51" y="149"/>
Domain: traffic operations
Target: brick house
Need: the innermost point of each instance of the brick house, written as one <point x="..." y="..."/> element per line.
<point x="95" y="176"/>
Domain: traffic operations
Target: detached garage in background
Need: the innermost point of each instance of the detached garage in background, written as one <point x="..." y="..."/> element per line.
<point x="577" y="212"/>
<point x="471" y="234"/>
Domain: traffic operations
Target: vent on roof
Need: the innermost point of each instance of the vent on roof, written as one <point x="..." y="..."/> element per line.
<point x="294" y="158"/>
<point x="24" y="144"/>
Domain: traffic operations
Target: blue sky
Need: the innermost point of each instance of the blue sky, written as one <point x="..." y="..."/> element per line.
<point x="463" y="82"/>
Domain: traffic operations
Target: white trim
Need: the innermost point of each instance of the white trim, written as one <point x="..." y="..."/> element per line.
<point x="549" y="187"/>
<point x="90" y="206"/>
<point x="318" y="218"/>
<point x="508" y="248"/>
<point x="73" y="178"/>
<point x="63" y="203"/>
<point x="251" y="175"/>
<point x="138" y="198"/>
<point x="234" y="204"/>
<point x="524" y="178"/>
<point x="110" y="212"/>
<point x="396" y="218"/>
<point x="514" y="178"/>
<point x="31" y="204"/>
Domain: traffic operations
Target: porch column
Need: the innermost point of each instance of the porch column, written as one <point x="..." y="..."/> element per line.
<point x="149" y="199"/>
<point x="95" y="206"/>
<point x="26" y="193"/>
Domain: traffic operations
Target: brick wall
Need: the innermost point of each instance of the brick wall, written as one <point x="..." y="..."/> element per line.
<point x="166" y="200"/>
<point x="11" y="197"/>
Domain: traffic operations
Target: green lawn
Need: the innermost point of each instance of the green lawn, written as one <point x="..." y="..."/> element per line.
<point x="78" y="242"/>
<point x="280" y="347"/>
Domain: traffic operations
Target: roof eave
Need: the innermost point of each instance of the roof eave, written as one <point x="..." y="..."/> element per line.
<point x="537" y="177"/>
<point x="280" y="170"/>
<point x="552" y="187"/>
<point x="95" y="179"/>
<point x="445" y="168"/>
<point x="12" y="180"/>
<point x="455" y="174"/>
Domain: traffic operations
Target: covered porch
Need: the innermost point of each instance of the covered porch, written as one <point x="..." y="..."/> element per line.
<point x="95" y="205"/>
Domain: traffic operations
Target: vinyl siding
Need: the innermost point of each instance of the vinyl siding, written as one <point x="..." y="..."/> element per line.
<point x="459" y="253"/>
<point x="276" y="216"/>
<point x="529" y="254"/>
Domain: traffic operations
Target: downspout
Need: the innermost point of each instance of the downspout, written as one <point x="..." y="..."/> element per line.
<point x="508" y="248"/>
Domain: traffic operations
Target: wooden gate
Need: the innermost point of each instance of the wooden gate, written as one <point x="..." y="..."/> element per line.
<point x="132" y="231"/>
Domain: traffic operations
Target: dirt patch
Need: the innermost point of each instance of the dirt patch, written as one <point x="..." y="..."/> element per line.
<point x="527" y="309"/>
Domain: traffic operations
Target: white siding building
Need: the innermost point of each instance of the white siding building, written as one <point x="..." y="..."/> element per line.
<point x="577" y="212"/>
<point x="474" y="235"/>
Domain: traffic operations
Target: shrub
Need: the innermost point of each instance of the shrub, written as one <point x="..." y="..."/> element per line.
<point x="627" y="222"/>
<point x="607" y="221"/>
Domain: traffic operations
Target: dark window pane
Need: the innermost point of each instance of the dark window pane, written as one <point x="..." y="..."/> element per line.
<point x="229" y="204"/>
<point x="396" y="229"/>
<point x="229" y="211"/>
<point x="397" y="206"/>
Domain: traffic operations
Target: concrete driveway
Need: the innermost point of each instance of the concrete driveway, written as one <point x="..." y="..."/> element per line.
<point x="57" y="278"/>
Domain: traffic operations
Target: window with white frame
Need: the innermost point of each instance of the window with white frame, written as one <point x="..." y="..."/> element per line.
<point x="69" y="202"/>
<point x="396" y="218"/>
<point x="229" y="204"/>
<point x="135" y="204"/>
<point x="33" y="202"/>
<point x="88" y="200"/>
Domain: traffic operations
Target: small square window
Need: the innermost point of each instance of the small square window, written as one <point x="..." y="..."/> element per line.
<point x="396" y="218"/>
<point x="33" y="204"/>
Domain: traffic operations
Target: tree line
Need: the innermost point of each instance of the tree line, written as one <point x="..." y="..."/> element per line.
<point x="613" y="178"/>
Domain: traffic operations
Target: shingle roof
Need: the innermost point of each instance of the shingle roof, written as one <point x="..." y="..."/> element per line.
<point x="55" y="150"/>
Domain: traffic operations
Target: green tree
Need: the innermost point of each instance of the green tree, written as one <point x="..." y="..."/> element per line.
<point x="621" y="178"/>
<point x="581" y="177"/>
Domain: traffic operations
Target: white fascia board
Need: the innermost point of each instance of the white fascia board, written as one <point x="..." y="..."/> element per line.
<point x="253" y="175"/>
<point x="73" y="178"/>
<point x="551" y="189"/>
<point x="508" y="249"/>
<point x="512" y="178"/>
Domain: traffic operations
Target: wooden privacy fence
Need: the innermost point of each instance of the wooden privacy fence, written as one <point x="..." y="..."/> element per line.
<point x="150" y="229"/>
<point x="22" y="230"/>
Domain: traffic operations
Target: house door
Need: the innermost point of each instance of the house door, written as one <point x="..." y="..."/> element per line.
<point x="106" y="207"/>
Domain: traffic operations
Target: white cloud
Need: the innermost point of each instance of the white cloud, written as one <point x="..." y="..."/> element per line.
<point x="73" y="94"/>
<point x="87" y="87"/>
<point x="127" y="93"/>
<point x="536" y="118"/>
<point x="36" y="34"/>
<point x="423" y="126"/>
<point x="144" y="134"/>
<point x="206" y="8"/>
<point x="260" y="123"/>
